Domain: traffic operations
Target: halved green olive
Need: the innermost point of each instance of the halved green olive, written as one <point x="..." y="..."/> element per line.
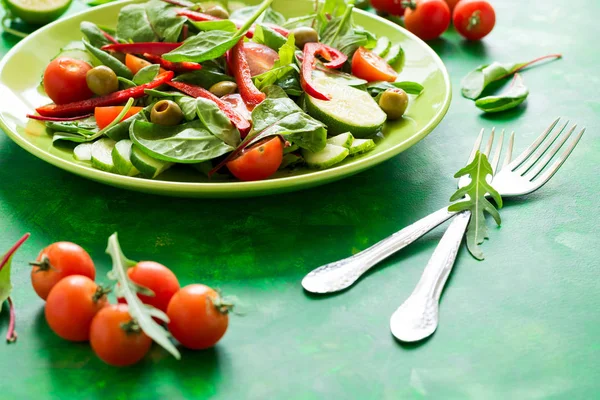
<point x="223" y="88"/>
<point x="394" y="102"/>
<point x="217" y="11"/>
<point x="166" y="112"/>
<point x="102" y="80"/>
<point x="304" y="34"/>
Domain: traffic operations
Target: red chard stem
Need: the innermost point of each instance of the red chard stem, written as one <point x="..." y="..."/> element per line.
<point x="11" y="335"/>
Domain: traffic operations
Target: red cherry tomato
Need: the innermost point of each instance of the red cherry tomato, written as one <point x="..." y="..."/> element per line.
<point x="58" y="261"/>
<point x="369" y="66"/>
<point x="260" y="58"/>
<point x="427" y="19"/>
<point x="198" y="319"/>
<point x="156" y="277"/>
<point x="64" y="80"/>
<point x="258" y="162"/>
<point x="393" y="7"/>
<point x="105" y="115"/>
<point x="71" y="306"/>
<point x="116" y="339"/>
<point x="474" y="19"/>
<point x="452" y="4"/>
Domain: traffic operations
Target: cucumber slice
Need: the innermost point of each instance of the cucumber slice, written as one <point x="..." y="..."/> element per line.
<point x="325" y="158"/>
<point x="291" y="148"/>
<point x="83" y="152"/>
<point x="343" y="139"/>
<point x="148" y="166"/>
<point x="382" y="47"/>
<point x="361" y="146"/>
<point x="349" y="109"/>
<point x="394" y="54"/>
<point x="121" y="156"/>
<point x="102" y="154"/>
<point x="289" y="160"/>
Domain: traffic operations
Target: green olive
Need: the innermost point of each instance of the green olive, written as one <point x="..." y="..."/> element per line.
<point x="166" y="112"/>
<point x="394" y="102"/>
<point x="102" y="80"/>
<point x="223" y="88"/>
<point x="304" y="34"/>
<point x="217" y="11"/>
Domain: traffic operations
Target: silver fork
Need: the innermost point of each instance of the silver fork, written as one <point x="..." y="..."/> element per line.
<point x="341" y="274"/>
<point x="417" y="318"/>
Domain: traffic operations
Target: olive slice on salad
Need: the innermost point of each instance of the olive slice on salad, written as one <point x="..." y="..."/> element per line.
<point x="223" y="88"/>
<point x="304" y="34"/>
<point x="217" y="11"/>
<point x="102" y="80"/>
<point x="166" y="112"/>
<point x="393" y="102"/>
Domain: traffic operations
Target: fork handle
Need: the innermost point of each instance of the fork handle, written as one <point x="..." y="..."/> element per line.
<point x="341" y="274"/>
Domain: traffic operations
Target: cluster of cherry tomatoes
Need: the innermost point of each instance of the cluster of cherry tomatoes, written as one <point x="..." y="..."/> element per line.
<point x="428" y="19"/>
<point x="77" y="308"/>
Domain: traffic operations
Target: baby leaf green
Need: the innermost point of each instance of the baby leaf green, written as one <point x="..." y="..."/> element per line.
<point x="267" y="36"/>
<point x="476" y="202"/>
<point x="149" y="22"/>
<point x="376" y="88"/>
<point x="146" y="74"/>
<point x="515" y="95"/>
<point x="217" y="122"/>
<point x="205" y="77"/>
<point x="222" y="25"/>
<point x="247" y="13"/>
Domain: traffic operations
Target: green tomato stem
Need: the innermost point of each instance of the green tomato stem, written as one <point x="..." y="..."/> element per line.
<point x="474" y="20"/>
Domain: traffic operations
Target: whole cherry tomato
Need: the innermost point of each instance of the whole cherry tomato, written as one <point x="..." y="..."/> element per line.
<point x="156" y="277"/>
<point x="452" y="4"/>
<point x="65" y="82"/>
<point x="258" y="162"/>
<point x="116" y="338"/>
<point x="427" y="19"/>
<point x="474" y="19"/>
<point x="393" y="7"/>
<point x="58" y="261"/>
<point x="72" y="304"/>
<point x="198" y="316"/>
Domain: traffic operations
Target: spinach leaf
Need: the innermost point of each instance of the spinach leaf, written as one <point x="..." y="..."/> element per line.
<point x="93" y="34"/>
<point x="164" y="20"/>
<point x="150" y="22"/>
<point x="187" y="143"/>
<point x="188" y="107"/>
<point x="297" y="22"/>
<point x="162" y="94"/>
<point x="283" y="66"/>
<point x="245" y="13"/>
<point x="222" y="25"/>
<point x="290" y="83"/>
<point x="111" y="62"/>
<point x="146" y="74"/>
<point x="341" y="34"/>
<point x="376" y="88"/>
<point x="203" y="47"/>
<point x="205" y="77"/>
<point x="85" y="127"/>
<point x="125" y="83"/>
<point x="120" y="131"/>
<point x="515" y="95"/>
<point x="217" y="122"/>
<point x="267" y="36"/>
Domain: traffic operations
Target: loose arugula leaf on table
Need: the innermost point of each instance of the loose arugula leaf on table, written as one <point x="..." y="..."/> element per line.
<point x="146" y="74"/>
<point x="476" y="202"/>
<point x="245" y="14"/>
<point x="187" y="143"/>
<point x="6" y="285"/>
<point x="515" y="95"/>
<point x="269" y="37"/>
<point x="93" y="34"/>
<point x="111" y="62"/>
<point x="477" y="80"/>
<point x="149" y="22"/>
<point x="143" y="314"/>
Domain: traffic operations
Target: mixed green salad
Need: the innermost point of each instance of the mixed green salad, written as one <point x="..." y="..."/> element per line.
<point x="244" y="92"/>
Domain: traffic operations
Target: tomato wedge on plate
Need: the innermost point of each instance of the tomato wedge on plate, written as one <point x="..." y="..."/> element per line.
<point x="258" y="162"/>
<point x="370" y="67"/>
<point x="106" y="115"/>
<point x="260" y="58"/>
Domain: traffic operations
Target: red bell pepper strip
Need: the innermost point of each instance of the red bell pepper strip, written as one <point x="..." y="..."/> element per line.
<point x="54" y="119"/>
<point x="276" y="28"/>
<point x="238" y="66"/>
<point x="201" y="17"/>
<point x="184" y="66"/>
<point x="154" y="48"/>
<point x="334" y="57"/>
<point x="113" y="99"/>
<point x="196" y="91"/>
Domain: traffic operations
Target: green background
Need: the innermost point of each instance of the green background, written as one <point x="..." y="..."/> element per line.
<point x="523" y="324"/>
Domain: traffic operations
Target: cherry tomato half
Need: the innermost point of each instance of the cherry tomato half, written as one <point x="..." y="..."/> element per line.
<point x="105" y="115"/>
<point x="64" y="80"/>
<point x="474" y="19"/>
<point x="58" y="261"/>
<point x="369" y="66"/>
<point x="258" y="162"/>
<point x="427" y="19"/>
<point x="198" y="319"/>
<point x="135" y="63"/>
<point x="116" y="339"/>
<point x="260" y="58"/>
<point x="393" y="7"/>
<point x="156" y="277"/>
<point x="72" y="304"/>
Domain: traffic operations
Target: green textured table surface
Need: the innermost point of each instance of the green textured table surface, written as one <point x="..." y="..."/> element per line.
<point x="523" y="324"/>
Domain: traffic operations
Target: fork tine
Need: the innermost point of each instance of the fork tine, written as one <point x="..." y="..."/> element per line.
<point x="545" y="177"/>
<point x="523" y="156"/>
<point x="488" y="146"/>
<point x="509" y="150"/>
<point x="535" y="157"/>
<point x="476" y="146"/>
<point x="497" y="153"/>
<point x="539" y="166"/>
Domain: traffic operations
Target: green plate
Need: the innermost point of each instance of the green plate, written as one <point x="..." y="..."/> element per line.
<point x="21" y="69"/>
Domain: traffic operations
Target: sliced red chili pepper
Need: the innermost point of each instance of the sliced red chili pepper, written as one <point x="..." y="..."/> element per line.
<point x="334" y="57"/>
<point x="196" y="91"/>
<point x="238" y="65"/>
<point x="155" y="48"/>
<point x="184" y="66"/>
<point x="109" y="37"/>
<point x="276" y="28"/>
<point x="113" y="99"/>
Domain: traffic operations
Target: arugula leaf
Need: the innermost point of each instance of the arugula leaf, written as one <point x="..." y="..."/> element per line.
<point x="146" y="74"/>
<point x="267" y="36"/>
<point x="515" y="95"/>
<point x="111" y="62"/>
<point x="138" y="311"/>
<point x="246" y="13"/>
<point x="222" y="25"/>
<point x="150" y="22"/>
<point x="84" y="127"/>
<point x="476" y="203"/>
<point x="205" y="77"/>
<point x="187" y="143"/>
<point x="282" y="68"/>
<point x="93" y="34"/>
<point x="217" y="122"/>
<point x="341" y="34"/>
